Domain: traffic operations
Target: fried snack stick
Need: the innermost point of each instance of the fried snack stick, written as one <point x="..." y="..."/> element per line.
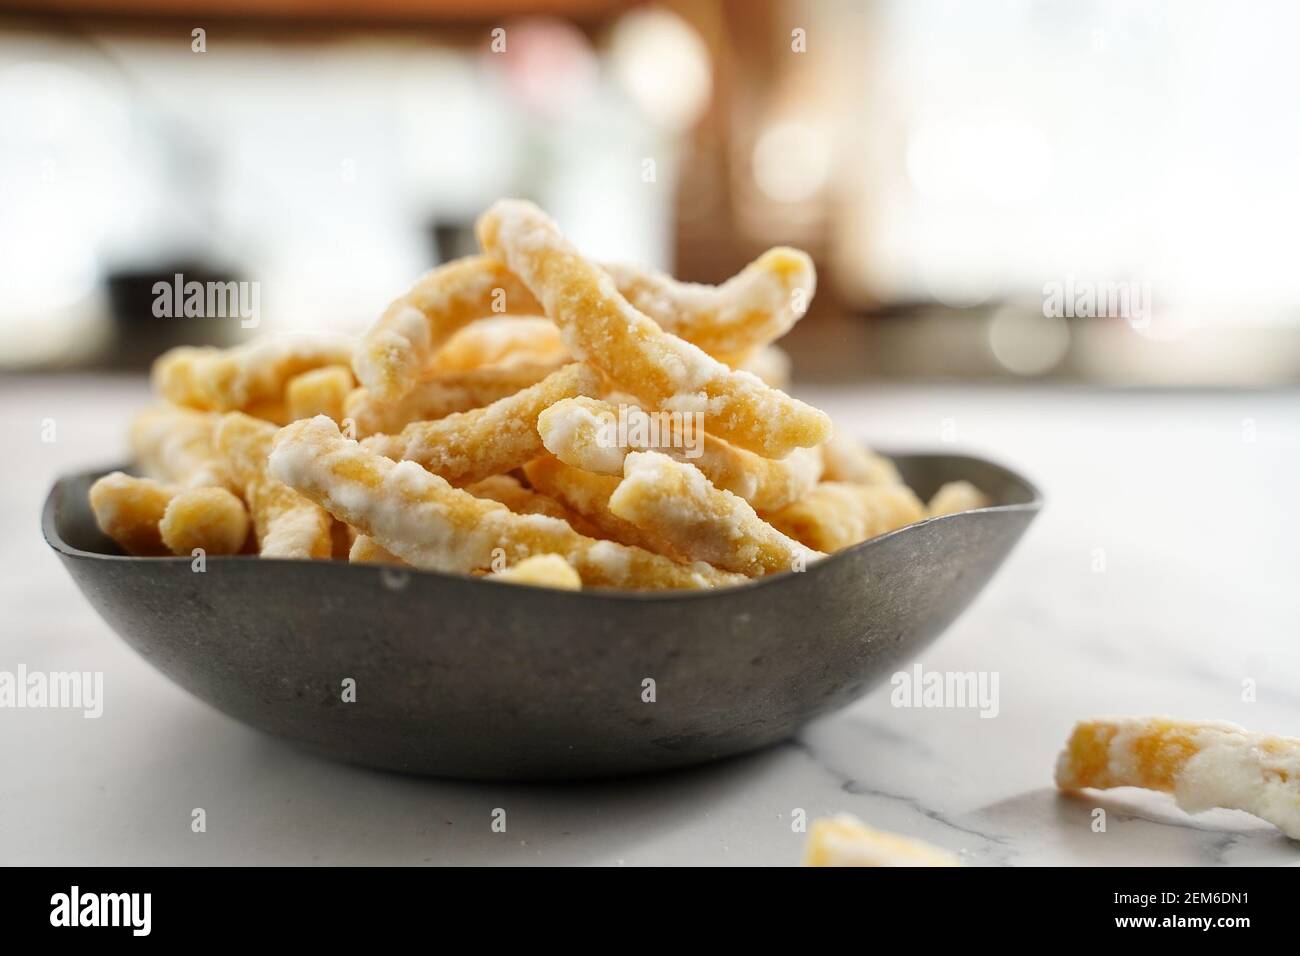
<point x="287" y="525"/>
<point x="844" y="459"/>
<point x="586" y="494"/>
<point x="543" y="570"/>
<point x="956" y="496"/>
<point x="322" y="391"/>
<point x="174" y="444"/>
<point x="838" y="514"/>
<point x="1202" y="763"/>
<point x="148" y="518"/>
<point x="366" y="550"/>
<point x="420" y="518"/>
<point x="527" y="501"/>
<point x="844" y="840"/>
<point x="128" y="510"/>
<point x="749" y="310"/>
<point x="676" y="502"/>
<point x="665" y="371"/>
<point x="397" y="347"/>
<point x="441" y="395"/>
<point x="469" y="446"/>
<point x="249" y="378"/>
<point x="500" y="340"/>
<point x="731" y="321"/>
<point x="209" y="519"/>
<point x="585" y="433"/>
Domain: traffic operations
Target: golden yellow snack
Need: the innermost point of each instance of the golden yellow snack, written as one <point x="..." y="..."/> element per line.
<point x="1202" y="763"/>
<point x="366" y="550"/>
<point x="837" y="514"/>
<point x="752" y="309"/>
<point x="418" y="330"/>
<point x="174" y="444"/>
<point x="596" y="436"/>
<point x="543" y="570"/>
<point x="441" y="395"/>
<point x="287" y="525"/>
<point x="249" y="378"/>
<point x="211" y="519"/>
<point x="419" y="517"/>
<point x="844" y="840"/>
<point x="676" y="502"/>
<point x="500" y="340"/>
<point x="527" y="501"/>
<point x="395" y="350"/>
<point x="844" y="459"/>
<point x="586" y="495"/>
<point x="322" y="391"/>
<point x="468" y="446"/>
<point x="128" y="510"/>
<point x="666" y="372"/>
<point x="957" y="496"/>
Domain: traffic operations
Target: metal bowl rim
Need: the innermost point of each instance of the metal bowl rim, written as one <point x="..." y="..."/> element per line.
<point x="55" y="540"/>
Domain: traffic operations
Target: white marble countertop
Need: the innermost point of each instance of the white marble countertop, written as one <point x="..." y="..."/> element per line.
<point x="1187" y="496"/>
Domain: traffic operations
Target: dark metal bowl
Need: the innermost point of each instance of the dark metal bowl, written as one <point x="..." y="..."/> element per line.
<point x="457" y="677"/>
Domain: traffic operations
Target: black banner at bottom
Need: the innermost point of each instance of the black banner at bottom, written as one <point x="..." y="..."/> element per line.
<point x="332" y="905"/>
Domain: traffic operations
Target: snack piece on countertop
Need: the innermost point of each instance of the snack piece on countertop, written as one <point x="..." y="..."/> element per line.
<point x="1202" y="763"/>
<point x="844" y="840"/>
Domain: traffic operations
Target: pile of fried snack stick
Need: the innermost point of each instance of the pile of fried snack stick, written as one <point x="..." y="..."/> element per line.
<point x="475" y="429"/>
<point x="479" y="428"/>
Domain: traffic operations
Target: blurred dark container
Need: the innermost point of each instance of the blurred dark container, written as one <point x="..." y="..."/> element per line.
<point x="140" y="336"/>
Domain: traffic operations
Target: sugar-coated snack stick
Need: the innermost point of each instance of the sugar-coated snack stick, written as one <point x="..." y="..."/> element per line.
<point x="595" y="435"/>
<point x="397" y="347"/>
<point x="468" y="446"/>
<point x="844" y="459"/>
<point x="441" y="395"/>
<point x="149" y="518"/>
<point x="844" y="840"/>
<point x="366" y="550"/>
<point x="666" y="372"/>
<point x="128" y="510"/>
<point x="753" y="308"/>
<point x="586" y="495"/>
<point x="247" y="377"/>
<point x="500" y="340"/>
<point x="287" y="525"/>
<point x="322" y="391"/>
<point x="742" y="314"/>
<point x="543" y="570"/>
<point x="676" y="502"/>
<point x="837" y="514"/>
<point x="529" y="501"/>
<point x="426" y="522"/>
<point x="771" y="364"/>
<point x="955" y="496"/>
<point x="1202" y="763"/>
<point x="210" y="519"/>
<point x="174" y="444"/>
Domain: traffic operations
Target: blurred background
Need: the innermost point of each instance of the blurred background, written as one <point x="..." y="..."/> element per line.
<point x="1091" y="191"/>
